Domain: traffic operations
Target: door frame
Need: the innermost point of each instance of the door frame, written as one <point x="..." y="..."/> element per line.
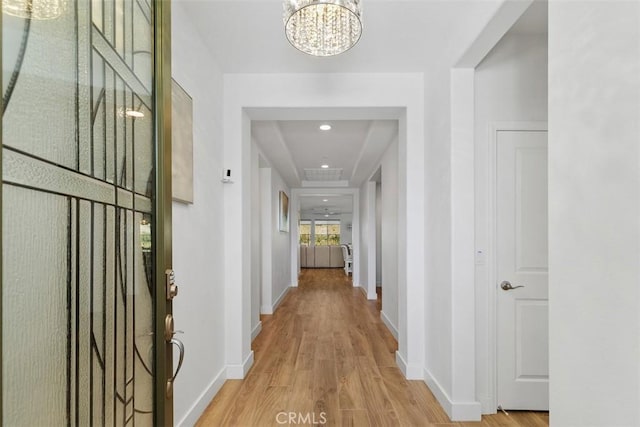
<point x="1" y="238"/>
<point x="491" y="256"/>
<point x="162" y="210"/>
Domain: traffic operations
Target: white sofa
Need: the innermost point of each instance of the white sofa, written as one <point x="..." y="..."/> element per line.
<point x="321" y="257"/>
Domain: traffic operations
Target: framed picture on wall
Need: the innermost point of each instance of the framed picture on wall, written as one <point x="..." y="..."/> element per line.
<point x="283" y="217"/>
<point x="182" y="144"/>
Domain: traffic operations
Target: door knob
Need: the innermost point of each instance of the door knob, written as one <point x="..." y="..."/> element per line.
<point x="506" y="286"/>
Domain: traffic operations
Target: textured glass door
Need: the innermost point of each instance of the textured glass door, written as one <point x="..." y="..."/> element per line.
<point x="82" y="197"/>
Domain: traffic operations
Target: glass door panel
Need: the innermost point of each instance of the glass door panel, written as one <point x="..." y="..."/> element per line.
<point x="79" y="298"/>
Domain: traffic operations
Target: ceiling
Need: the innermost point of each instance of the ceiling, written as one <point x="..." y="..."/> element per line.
<point x="247" y="36"/>
<point x="298" y="149"/>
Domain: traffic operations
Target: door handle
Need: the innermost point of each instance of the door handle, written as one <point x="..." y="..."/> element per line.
<point x="180" y="345"/>
<point x="506" y="286"/>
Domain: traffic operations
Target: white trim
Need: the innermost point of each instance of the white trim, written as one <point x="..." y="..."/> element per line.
<point x="201" y="403"/>
<point x="486" y="403"/>
<point x="238" y="372"/>
<point x="503" y="19"/>
<point x="392" y="328"/>
<point x="256" y="330"/>
<point x="462" y="232"/>
<point x="402" y="364"/>
<point x="466" y="411"/>
<point x="490" y="402"/>
<point x="371" y="236"/>
<point x="438" y="391"/>
<point x="410" y="372"/>
<point x="278" y="300"/>
<point x="271" y="308"/>
<point x="367" y="295"/>
<point x="461" y="411"/>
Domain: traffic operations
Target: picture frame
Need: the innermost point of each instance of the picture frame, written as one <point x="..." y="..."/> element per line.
<point x="182" y="144"/>
<point x="283" y="217"/>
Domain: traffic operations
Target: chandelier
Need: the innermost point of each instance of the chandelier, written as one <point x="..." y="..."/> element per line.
<point x="34" y="9"/>
<point x="323" y="27"/>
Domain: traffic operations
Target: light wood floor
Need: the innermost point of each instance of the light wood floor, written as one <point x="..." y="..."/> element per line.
<point x="325" y="354"/>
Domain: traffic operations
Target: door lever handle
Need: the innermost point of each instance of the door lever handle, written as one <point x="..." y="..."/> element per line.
<point x="506" y="286"/>
<point x="178" y="343"/>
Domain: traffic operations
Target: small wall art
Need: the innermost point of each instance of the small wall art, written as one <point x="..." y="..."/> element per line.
<point x="283" y="222"/>
<point x="182" y="144"/>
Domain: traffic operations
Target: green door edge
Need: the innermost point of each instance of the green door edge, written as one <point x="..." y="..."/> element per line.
<point x="162" y="231"/>
<point x="1" y="221"/>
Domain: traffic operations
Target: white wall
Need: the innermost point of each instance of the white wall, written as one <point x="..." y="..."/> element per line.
<point x="362" y="263"/>
<point x="276" y="256"/>
<point x="266" y="232"/>
<point x="256" y="241"/>
<point x="437" y="323"/>
<point x="450" y="369"/>
<point x="389" y="237"/>
<point x="510" y="86"/>
<point x="346" y="225"/>
<point x="378" y="234"/>
<point x="198" y="256"/>
<point x="594" y="213"/>
<point x="281" y="243"/>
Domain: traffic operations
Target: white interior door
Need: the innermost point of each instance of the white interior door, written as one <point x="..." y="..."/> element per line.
<point x="522" y="262"/>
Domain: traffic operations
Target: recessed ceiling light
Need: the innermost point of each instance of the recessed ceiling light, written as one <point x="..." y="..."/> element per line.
<point x="324" y="166"/>
<point x="325" y="127"/>
<point x="326" y="216"/>
<point x="325" y="200"/>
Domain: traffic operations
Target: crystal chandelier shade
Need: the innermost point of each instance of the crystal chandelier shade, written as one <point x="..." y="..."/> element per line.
<point x="34" y="9"/>
<point x="323" y="27"/>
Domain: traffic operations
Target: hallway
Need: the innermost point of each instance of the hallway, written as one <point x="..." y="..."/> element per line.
<point x="326" y="358"/>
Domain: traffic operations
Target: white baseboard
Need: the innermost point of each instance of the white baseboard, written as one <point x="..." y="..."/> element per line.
<point x="367" y="295"/>
<point x="488" y="406"/>
<point x="198" y="408"/>
<point x="280" y="298"/>
<point x="238" y="372"/>
<point x="392" y="328"/>
<point x="410" y="372"/>
<point x="270" y="309"/>
<point x="256" y="331"/>
<point x="457" y="411"/>
<point x="266" y="309"/>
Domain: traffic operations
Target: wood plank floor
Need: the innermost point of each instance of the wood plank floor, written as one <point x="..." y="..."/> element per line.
<point x="326" y="358"/>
